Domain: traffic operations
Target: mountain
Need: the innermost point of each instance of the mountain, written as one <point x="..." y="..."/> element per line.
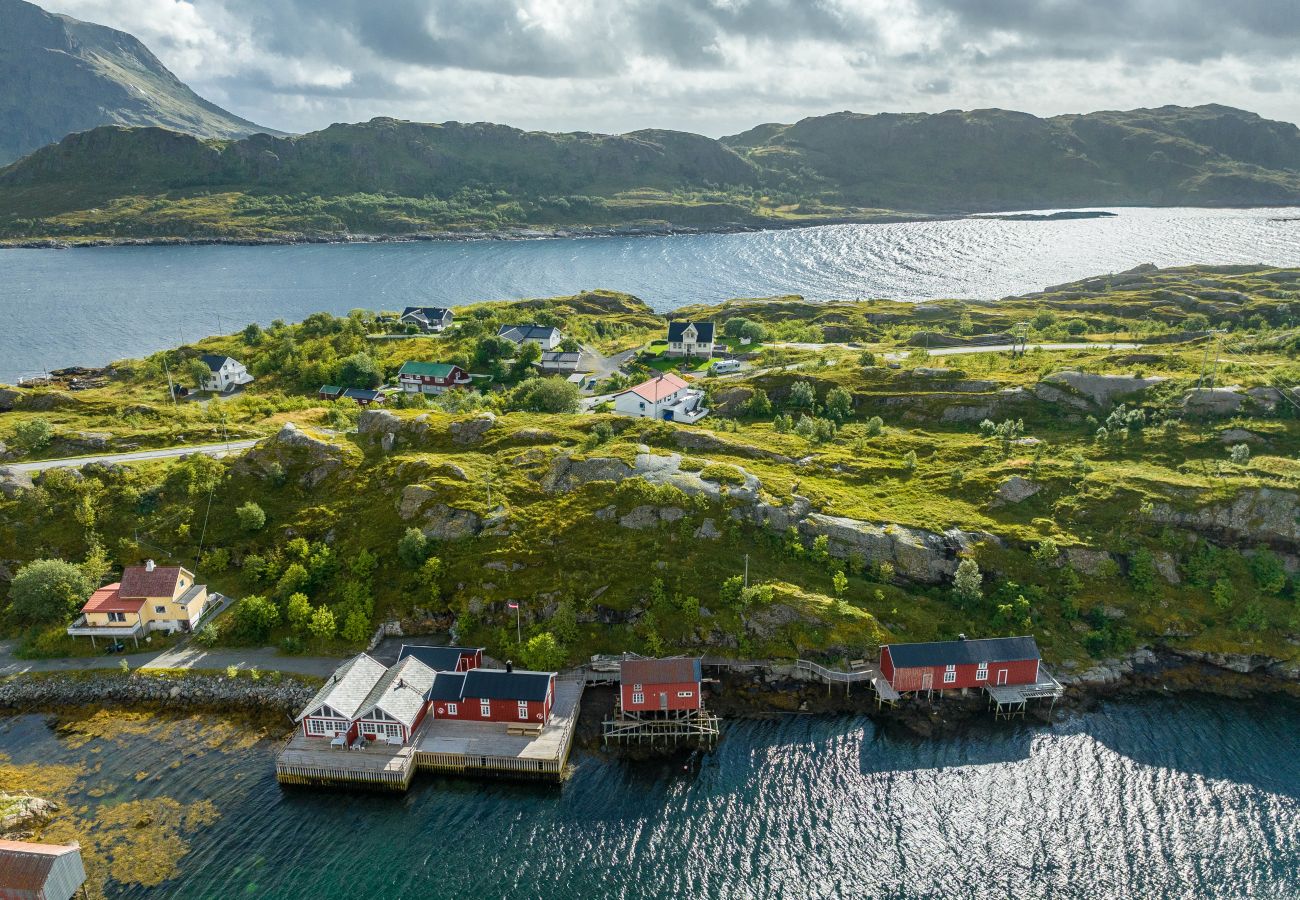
<point x="992" y="159"/>
<point x="59" y="75"/>
<point x="393" y="177"/>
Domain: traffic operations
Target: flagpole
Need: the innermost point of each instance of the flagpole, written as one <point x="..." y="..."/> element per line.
<point x="519" y="628"/>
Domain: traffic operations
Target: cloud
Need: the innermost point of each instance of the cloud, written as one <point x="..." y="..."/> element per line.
<point x="714" y="66"/>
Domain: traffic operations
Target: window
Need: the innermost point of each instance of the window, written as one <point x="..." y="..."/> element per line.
<point x="160" y="609"/>
<point x="451" y="709"/>
<point x="643" y="404"/>
<point x="950" y="675"/>
<point x="638" y="698"/>
<point x="117" y="617"/>
<point x="523" y="710"/>
<point x="484" y="708"/>
<point x="636" y="687"/>
<point x="686" y="693"/>
<point x="982" y="673"/>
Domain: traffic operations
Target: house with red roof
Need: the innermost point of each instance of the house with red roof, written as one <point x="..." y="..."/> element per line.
<point x="666" y="397"/>
<point x="148" y="598"/>
<point x="661" y="685"/>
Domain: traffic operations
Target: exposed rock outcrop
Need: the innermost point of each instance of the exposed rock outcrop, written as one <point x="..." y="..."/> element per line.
<point x="1258" y="515"/>
<point x="293" y="447"/>
<point x="916" y="554"/>
<point x="650" y="516"/>
<point x="1213" y="401"/>
<point x="13" y="482"/>
<point x="471" y="431"/>
<point x="440" y="521"/>
<point x="1015" y="489"/>
<point x="1089" y="392"/>
<point x="567" y="473"/>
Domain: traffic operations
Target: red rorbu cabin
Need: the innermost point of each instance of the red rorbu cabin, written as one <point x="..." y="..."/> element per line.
<point x="660" y="685"/>
<point x="494" y="695"/>
<point x="946" y="665"/>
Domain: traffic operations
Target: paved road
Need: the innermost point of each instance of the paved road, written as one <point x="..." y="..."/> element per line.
<point x="265" y="659"/>
<point x="220" y="449"/>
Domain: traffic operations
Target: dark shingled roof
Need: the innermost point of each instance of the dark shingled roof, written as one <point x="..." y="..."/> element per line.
<point x="659" y="671"/>
<point x="447" y="686"/>
<point x="426" y="313"/>
<point x="139" y="582"/>
<point x="703" y="331"/>
<point x="498" y="684"/>
<point x="440" y="659"/>
<point x="214" y="361"/>
<point x="960" y="653"/>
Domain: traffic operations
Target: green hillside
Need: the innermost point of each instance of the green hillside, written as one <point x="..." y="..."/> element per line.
<point x="59" y="75"/>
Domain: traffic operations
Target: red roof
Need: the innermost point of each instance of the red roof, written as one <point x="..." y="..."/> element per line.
<point x="138" y="581"/>
<point x="660" y="671"/>
<point x="109" y="599"/>
<point x="658" y="387"/>
<point x="24" y="867"/>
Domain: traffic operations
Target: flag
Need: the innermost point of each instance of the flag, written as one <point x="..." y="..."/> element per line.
<point x="513" y="605"/>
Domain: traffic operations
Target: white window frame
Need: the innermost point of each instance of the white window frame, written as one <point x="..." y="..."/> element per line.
<point x="638" y="698"/>
<point x="485" y="708"/>
<point x="523" y="710"/>
<point x="982" y="673"/>
<point x="117" y="617"/>
<point x="685" y="695"/>
<point x="950" y="675"/>
<point x="451" y="709"/>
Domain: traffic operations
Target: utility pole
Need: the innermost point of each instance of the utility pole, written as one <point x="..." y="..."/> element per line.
<point x="1205" y="360"/>
<point x="746" y="570"/>
<point x="171" y="387"/>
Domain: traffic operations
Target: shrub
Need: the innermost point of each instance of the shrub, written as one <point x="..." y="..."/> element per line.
<point x="802" y="395"/>
<point x="1268" y="571"/>
<point x="867" y="359"/>
<point x="413" y="548"/>
<point x="1239" y="454"/>
<point x="254" y="617"/>
<point x="839" y="404"/>
<point x="542" y="652"/>
<point x="968" y="583"/>
<point x="1222" y="593"/>
<point x="359" y="371"/>
<point x="298" y="611"/>
<point x="251" y="517"/>
<point x="1142" y="571"/>
<point x="322" y="625"/>
<point x="759" y="405"/>
<point x="551" y="395"/>
<point x="207" y="636"/>
<point x="356" y="627"/>
<point x="909" y="461"/>
<point x="47" y="591"/>
<point x="33" y="435"/>
<point x="294" y="579"/>
<point x="839" y="582"/>
<point x="875" y="425"/>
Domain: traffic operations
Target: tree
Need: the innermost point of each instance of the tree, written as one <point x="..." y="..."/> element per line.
<point x="33" y="435"/>
<point x="298" y="611"/>
<point x="356" y="627"/>
<point x="413" y="548"/>
<point x="321" y="626"/>
<point x="46" y="591"/>
<point x="251" y="517"/>
<point x="564" y="624"/>
<point x="909" y="461"/>
<point x="839" y="404"/>
<point x="542" y="652"/>
<point x="551" y="395"/>
<point x="867" y="359"/>
<point x="359" y="371"/>
<point x="802" y="395"/>
<point x="759" y="405"/>
<point x="840" y="582"/>
<point x="875" y="425"/>
<point x="252" y="334"/>
<point x="197" y="373"/>
<point x="294" y="579"/>
<point x="1239" y="454"/>
<point x="967" y="583"/>
<point x="255" y="616"/>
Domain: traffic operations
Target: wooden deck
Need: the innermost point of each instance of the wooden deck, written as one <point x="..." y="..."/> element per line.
<point x="440" y="745"/>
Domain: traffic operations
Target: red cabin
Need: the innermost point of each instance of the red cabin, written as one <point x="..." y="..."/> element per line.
<point x="660" y="685"/>
<point x="945" y="665"/>
<point x="493" y="695"/>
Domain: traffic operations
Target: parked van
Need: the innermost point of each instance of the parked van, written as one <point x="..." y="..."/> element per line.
<point x="724" y="366"/>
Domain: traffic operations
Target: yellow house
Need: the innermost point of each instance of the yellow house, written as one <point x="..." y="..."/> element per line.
<point x="148" y="598"/>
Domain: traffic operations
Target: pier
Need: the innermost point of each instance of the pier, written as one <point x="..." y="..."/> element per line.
<point x="444" y="746"/>
<point x="1010" y="700"/>
<point x="860" y="671"/>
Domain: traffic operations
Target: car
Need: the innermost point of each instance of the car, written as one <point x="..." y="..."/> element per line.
<point x="115" y="647"/>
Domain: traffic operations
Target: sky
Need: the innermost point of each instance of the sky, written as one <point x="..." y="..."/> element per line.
<point x="710" y="66"/>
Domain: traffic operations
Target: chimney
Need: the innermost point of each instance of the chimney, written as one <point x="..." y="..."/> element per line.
<point x="148" y="565"/>
<point x="510" y="666"/>
<point x="401" y="683"/>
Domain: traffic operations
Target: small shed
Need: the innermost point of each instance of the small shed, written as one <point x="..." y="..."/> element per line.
<point x="363" y="396"/>
<point x="329" y="392"/>
<point x="661" y="685"/>
<point x="946" y="665"/>
<point x="40" y="871"/>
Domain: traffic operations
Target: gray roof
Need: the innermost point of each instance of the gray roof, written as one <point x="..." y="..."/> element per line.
<point x="498" y="684"/>
<point x="348" y="687"/>
<point x="400" y="692"/>
<point x="448" y="686"/>
<point x="703" y="331"/>
<point x="521" y="333"/>
<point x="440" y="659"/>
<point x="963" y="652"/>
<point x="426" y="313"/>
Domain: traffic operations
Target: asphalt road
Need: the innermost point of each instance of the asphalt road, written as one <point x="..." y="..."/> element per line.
<point x="220" y="449"/>
<point x="265" y="659"/>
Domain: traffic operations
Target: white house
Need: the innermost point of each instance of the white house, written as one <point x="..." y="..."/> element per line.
<point x="690" y="339"/>
<point x="559" y="362"/>
<point x="544" y="336"/>
<point x="225" y="373"/>
<point x="664" y="397"/>
<point x="426" y="318"/>
<point x="332" y="712"/>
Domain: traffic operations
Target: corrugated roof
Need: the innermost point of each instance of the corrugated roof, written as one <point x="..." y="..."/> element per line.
<point x="498" y="684"/>
<point x="447" y="686"/>
<point x="660" y="671"/>
<point x="400" y="692"/>
<point x="440" y="659"/>
<point x="959" y="653"/>
<point x="109" y="599"/>
<point x="24" y="867"/>
<point x="137" y="581"/>
<point x="429" y="369"/>
<point x="703" y="331"/>
<point x="658" y="387"/>
<point x="348" y="687"/>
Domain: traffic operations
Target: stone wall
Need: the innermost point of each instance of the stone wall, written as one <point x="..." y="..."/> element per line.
<point x="186" y="693"/>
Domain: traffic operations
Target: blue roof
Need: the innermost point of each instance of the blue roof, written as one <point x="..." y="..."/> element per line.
<point x="963" y="652"/>
<point x="447" y="686"/>
<point x="440" y="659"/>
<point x="498" y="684"/>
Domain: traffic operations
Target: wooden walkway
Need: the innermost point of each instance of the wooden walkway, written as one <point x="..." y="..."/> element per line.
<point x="312" y="761"/>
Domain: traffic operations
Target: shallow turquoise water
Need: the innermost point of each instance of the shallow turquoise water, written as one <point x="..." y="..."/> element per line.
<point x="91" y="306"/>
<point x="1155" y="798"/>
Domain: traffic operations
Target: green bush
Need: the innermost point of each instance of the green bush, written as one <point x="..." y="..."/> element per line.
<point x="413" y="548"/>
<point x="251" y="517"/>
<point x="33" y="435"/>
<point x="48" y="591"/>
